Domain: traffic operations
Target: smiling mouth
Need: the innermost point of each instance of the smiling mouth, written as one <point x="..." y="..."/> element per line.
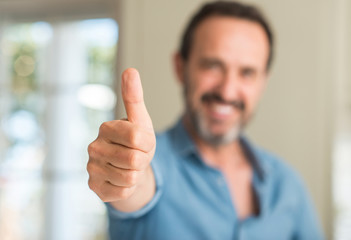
<point x="219" y="105"/>
<point x="221" y="109"/>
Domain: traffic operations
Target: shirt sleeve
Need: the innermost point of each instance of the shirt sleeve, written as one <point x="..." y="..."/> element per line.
<point x="116" y="214"/>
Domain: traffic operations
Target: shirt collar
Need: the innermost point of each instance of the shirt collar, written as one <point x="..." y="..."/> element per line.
<point x="181" y="140"/>
<point x="254" y="157"/>
<point x="184" y="145"/>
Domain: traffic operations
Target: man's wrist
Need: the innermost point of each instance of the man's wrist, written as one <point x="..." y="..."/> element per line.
<point x="143" y="194"/>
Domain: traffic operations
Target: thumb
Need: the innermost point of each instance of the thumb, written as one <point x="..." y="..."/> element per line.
<point x="132" y="94"/>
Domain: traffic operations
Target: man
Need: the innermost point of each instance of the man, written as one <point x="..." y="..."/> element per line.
<point x="206" y="180"/>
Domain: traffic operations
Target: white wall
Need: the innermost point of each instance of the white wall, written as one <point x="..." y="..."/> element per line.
<point x="296" y="116"/>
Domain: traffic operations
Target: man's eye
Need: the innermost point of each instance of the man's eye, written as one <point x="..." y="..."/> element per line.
<point x="248" y="73"/>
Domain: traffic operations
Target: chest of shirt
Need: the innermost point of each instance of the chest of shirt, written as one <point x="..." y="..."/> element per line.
<point x="197" y="202"/>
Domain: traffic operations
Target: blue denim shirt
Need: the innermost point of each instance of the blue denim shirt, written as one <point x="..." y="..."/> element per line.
<point x="192" y="199"/>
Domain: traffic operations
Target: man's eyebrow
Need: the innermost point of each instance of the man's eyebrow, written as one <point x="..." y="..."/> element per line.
<point x="207" y="60"/>
<point x="249" y="67"/>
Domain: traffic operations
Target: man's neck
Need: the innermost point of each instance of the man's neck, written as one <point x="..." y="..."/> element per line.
<point x="217" y="156"/>
<point x="230" y="159"/>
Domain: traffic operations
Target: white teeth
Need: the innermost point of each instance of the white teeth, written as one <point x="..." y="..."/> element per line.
<point x="222" y="109"/>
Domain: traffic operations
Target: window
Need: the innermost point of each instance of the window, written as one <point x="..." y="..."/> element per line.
<point x="56" y="87"/>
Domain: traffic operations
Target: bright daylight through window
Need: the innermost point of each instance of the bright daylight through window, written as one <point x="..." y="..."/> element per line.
<point x="56" y="87"/>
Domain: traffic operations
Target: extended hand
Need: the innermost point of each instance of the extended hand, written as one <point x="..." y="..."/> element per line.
<point x="119" y="159"/>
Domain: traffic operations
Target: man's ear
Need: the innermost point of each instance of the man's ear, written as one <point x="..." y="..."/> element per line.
<point x="178" y="64"/>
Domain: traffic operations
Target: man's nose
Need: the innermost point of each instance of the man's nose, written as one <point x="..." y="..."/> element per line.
<point x="229" y="86"/>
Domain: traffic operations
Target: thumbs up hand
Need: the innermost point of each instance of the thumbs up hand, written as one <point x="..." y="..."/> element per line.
<point x="119" y="159"/>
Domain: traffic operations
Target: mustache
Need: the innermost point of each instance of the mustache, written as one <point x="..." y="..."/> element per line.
<point x="208" y="97"/>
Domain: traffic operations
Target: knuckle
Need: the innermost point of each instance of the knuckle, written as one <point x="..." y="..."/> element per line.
<point x="131" y="178"/>
<point x="133" y="160"/>
<point x="92" y="185"/>
<point x="134" y="138"/>
<point x="92" y="168"/>
<point x="94" y="150"/>
<point x="125" y="193"/>
<point x="91" y="149"/>
<point x="104" y="194"/>
<point x="102" y="127"/>
<point x="105" y="127"/>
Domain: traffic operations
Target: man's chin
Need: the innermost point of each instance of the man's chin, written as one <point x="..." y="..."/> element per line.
<point x="220" y="138"/>
<point x="214" y="133"/>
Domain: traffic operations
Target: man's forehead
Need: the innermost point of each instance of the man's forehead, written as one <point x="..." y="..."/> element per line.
<point x="217" y="36"/>
<point x="228" y="26"/>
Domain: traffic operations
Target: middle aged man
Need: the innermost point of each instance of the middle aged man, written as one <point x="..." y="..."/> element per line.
<point x="206" y="180"/>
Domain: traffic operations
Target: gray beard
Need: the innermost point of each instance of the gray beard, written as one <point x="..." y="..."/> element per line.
<point x="203" y="132"/>
<point x="199" y="124"/>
